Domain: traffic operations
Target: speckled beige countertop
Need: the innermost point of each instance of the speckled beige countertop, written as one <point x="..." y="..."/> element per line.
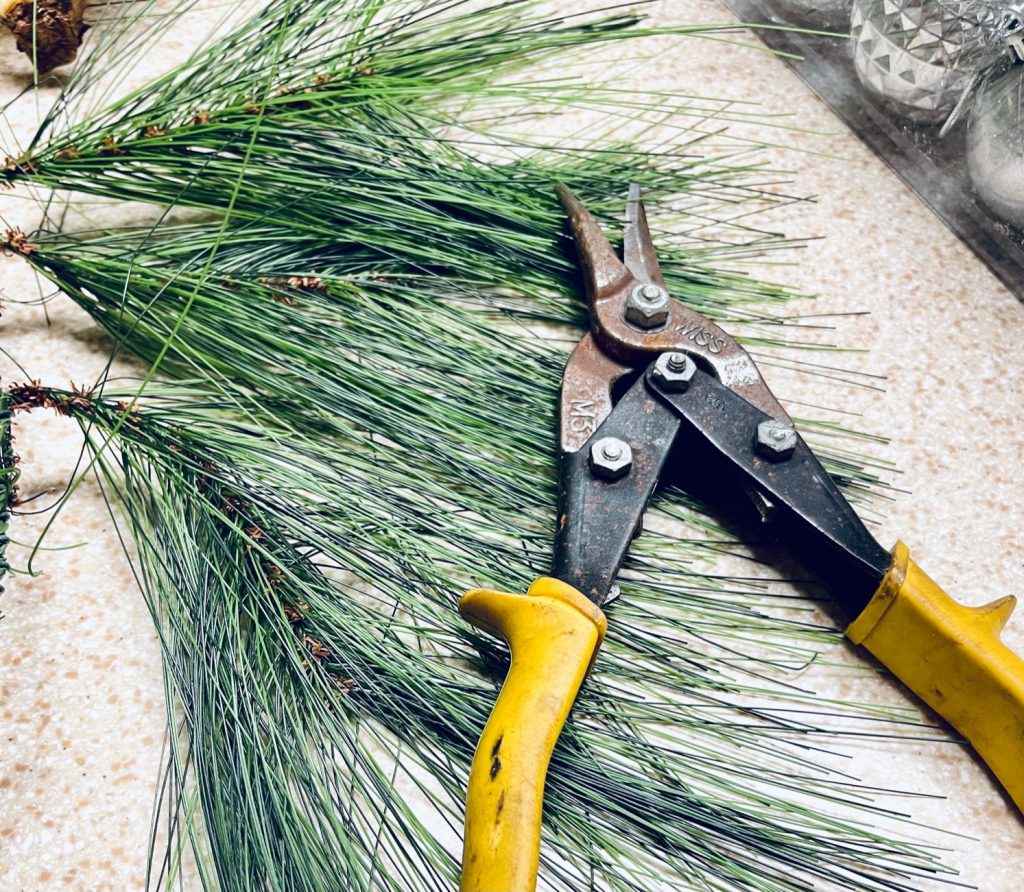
<point x="81" y="699"/>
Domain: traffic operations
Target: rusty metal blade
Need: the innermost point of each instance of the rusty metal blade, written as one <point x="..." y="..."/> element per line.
<point x="603" y="272"/>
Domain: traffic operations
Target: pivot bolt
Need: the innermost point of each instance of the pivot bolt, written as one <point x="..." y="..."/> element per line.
<point x="674" y="371"/>
<point x="610" y="458"/>
<point x="647" y="306"/>
<point x="775" y="440"/>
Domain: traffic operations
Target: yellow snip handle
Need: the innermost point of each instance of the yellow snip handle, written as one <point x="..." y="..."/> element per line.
<point x="554" y="633"/>
<point x="952" y="658"/>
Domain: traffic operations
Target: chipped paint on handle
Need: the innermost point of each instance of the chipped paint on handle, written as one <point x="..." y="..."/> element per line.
<point x="952" y="657"/>
<point x="554" y="634"/>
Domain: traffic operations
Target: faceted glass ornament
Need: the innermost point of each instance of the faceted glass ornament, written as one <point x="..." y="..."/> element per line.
<point x="824" y="13"/>
<point x="923" y="54"/>
<point x="995" y="145"/>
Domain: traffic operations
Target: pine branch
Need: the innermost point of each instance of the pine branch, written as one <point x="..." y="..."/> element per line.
<point x="317" y="665"/>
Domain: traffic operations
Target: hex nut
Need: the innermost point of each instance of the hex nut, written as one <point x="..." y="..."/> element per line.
<point x="775" y="440"/>
<point x="610" y="458"/>
<point x="647" y="306"/>
<point x="674" y="371"/>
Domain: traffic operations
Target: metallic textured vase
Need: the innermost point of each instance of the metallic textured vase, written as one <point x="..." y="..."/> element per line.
<point x="995" y="145"/>
<point x="823" y="13"/>
<point x="921" y="54"/>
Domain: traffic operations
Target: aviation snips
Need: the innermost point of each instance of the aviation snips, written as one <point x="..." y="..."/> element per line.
<point x="685" y="388"/>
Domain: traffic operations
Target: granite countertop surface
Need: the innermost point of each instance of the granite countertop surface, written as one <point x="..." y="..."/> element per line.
<point x="941" y="348"/>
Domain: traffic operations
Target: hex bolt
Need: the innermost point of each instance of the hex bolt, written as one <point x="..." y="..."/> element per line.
<point x="775" y="440"/>
<point x="611" y="449"/>
<point x="674" y="371"/>
<point x="647" y="306"/>
<point x="610" y="458"/>
<point x="677" y="362"/>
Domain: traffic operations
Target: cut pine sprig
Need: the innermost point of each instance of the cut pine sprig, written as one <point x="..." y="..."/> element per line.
<point x="378" y="104"/>
<point x="410" y="201"/>
<point x="251" y="534"/>
<point x="344" y="310"/>
<point x="402" y="54"/>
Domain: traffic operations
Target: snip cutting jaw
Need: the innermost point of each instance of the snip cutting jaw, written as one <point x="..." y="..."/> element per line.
<point x="632" y="327"/>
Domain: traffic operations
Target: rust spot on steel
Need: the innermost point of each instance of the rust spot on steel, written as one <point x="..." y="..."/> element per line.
<point x="609" y="282"/>
<point x="686" y="332"/>
<point x="586" y="394"/>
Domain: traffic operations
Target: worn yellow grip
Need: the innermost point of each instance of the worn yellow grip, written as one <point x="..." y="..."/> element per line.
<point x="554" y="633"/>
<point x="952" y="658"/>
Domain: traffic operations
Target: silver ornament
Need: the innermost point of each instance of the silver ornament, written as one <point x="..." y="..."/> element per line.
<point x="923" y="54"/>
<point x="995" y="145"/>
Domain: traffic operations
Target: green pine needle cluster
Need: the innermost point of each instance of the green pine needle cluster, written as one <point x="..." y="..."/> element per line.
<point x="349" y="418"/>
<point x="305" y="591"/>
